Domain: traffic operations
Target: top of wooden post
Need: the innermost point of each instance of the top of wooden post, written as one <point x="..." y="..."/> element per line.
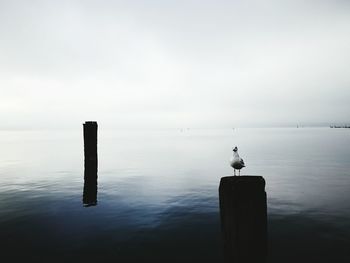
<point x="90" y="123"/>
<point x="243" y="181"/>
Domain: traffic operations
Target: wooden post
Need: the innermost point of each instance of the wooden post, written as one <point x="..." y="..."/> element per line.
<point x="243" y="213"/>
<point x="90" y="163"/>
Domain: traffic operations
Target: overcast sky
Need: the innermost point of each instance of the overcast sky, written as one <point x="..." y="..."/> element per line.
<point x="173" y="63"/>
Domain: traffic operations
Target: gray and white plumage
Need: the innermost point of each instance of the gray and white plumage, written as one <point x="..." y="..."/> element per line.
<point x="236" y="162"/>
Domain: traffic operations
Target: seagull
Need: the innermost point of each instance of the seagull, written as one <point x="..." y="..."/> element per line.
<point x="236" y="162"/>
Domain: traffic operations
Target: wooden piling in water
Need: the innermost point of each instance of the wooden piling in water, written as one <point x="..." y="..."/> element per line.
<point x="90" y="163"/>
<point x="243" y="213"/>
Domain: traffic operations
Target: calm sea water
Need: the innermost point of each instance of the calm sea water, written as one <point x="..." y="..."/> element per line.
<point x="158" y="194"/>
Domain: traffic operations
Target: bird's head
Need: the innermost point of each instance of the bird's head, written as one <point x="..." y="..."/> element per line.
<point x="235" y="149"/>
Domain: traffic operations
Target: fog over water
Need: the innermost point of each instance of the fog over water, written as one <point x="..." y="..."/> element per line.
<point x="169" y="64"/>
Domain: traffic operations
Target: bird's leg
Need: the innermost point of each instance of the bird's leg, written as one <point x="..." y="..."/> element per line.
<point x="234" y="172"/>
<point x="239" y="172"/>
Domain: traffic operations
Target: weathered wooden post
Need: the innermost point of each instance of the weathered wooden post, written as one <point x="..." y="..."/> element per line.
<point x="243" y="213"/>
<point x="90" y="163"/>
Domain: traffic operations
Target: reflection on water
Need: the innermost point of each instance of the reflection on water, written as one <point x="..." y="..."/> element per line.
<point x="158" y="195"/>
<point x="90" y="193"/>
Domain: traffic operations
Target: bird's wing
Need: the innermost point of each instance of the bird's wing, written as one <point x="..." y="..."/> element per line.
<point x="242" y="162"/>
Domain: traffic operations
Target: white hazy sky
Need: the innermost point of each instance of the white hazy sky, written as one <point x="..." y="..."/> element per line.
<point x="182" y="63"/>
